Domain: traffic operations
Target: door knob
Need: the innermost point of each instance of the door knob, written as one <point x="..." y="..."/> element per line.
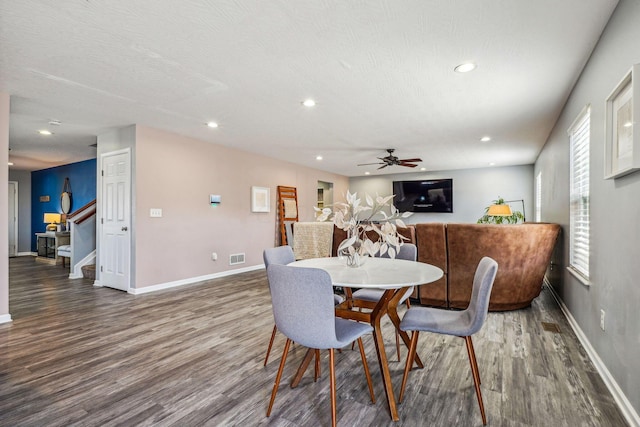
<point x="124" y="228"/>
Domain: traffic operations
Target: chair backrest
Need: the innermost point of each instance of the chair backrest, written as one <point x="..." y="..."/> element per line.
<point x="482" y="285"/>
<point x="279" y="255"/>
<point x="407" y="251"/>
<point x="303" y="306"/>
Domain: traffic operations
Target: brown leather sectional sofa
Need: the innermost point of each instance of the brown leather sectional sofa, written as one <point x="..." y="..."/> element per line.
<point x="523" y="253"/>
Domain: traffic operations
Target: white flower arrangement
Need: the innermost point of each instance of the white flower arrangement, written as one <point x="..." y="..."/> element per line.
<point x="357" y="219"/>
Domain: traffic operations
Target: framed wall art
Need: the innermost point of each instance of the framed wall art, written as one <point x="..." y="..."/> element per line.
<point x="260" y="199"/>
<point x="622" y="142"/>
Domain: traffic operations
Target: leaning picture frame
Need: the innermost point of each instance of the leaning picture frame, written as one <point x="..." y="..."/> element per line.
<point x="622" y="142"/>
<point x="260" y="197"/>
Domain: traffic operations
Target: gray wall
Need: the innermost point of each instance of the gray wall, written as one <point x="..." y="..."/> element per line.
<point x="24" y="209"/>
<point x="473" y="190"/>
<point x="615" y="211"/>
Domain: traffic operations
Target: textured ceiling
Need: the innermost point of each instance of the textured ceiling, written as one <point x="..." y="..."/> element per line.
<point x="380" y="71"/>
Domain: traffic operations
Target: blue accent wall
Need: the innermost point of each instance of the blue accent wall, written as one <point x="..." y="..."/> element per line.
<point x="49" y="182"/>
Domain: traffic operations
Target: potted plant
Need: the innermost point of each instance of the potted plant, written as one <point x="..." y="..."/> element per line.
<point x="360" y="222"/>
<point x="499" y="212"/>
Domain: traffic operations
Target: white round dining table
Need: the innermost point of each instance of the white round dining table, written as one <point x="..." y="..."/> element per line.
<point x="380" y="273"/>
<point x="395" y="276"/>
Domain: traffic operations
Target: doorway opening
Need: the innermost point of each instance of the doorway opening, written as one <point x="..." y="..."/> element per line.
<point x="325" y="195"/>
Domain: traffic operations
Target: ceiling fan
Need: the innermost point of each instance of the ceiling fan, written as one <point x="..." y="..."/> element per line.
<point x="392" y="160"/>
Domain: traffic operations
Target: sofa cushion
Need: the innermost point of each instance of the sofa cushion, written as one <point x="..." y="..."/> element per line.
<point x="64" y="250"/>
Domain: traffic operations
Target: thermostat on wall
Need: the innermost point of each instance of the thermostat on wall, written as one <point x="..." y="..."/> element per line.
<point x="215" y="199"/>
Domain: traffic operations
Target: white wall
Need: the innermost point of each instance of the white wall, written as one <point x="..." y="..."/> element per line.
<point x="23" y="178"/>
<point x="178" y="174"/>
<point x="4" y="213"/>
<point x="614" y="210"/>
<point x="473" y="190"/>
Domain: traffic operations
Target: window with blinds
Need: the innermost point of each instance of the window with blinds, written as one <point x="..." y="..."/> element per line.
<point x="539" y="197"/>
<point x="579" y="135"/>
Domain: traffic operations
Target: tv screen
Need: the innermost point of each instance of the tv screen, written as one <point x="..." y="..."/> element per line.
<point x="429" y="195"/>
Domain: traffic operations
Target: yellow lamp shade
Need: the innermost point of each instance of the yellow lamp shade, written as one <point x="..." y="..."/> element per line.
<point x="499" y="210"/>
<point x="52" y="219"/>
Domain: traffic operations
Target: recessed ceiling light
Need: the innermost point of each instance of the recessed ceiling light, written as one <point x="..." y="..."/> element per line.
<point x="367" y="173"/>
<point x="318" y="157"/>
<point x="485" y="139"/>
<point x="309" y="103"/>
<point x="423" y="169"/>
<point x="44" y="132"/>
<point x="465" y="68"/>
<point x="212" y="125"/>
<point x="492" y="164"/>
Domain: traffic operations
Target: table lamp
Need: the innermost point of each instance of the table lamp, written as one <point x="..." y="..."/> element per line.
<point x="499" y="210"/>
<point x="52" y="219"/>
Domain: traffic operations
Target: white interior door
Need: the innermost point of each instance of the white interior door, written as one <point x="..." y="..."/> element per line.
<point x="115" y="237"/>
<point x="13" y="218"/>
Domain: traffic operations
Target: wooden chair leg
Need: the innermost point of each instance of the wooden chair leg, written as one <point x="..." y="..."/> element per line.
<point x="397" y="335"/>
<point x="273" y="335"/>
<point x="366" y="370"/>
<point x="332" y="375"/>
<point x="476" y="377"/>
<point x="278" y="376"/>
<point x="410" y="358"/>
<point x="473" y="352"/>
<point x="316" y="373"/>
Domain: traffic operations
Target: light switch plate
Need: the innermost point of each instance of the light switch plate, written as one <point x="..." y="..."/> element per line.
<point x="155" y="213"/>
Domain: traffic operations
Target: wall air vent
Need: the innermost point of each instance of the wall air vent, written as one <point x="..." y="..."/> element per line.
<point x="236" y="259"/>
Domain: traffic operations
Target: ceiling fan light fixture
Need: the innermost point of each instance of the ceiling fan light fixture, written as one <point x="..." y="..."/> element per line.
<point x="465" y="67"/>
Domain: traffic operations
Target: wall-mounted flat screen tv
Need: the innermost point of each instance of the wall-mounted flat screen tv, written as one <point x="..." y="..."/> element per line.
<point x="429" y="195"/>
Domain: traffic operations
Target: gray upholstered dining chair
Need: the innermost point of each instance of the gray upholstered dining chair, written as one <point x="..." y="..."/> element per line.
<point x="458" y="323"/>
<point x="282" y="255"/>
<point x="407" y="251"/>
<point x="304" y="311"/>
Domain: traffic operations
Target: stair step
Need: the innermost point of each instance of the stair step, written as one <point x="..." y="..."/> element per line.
<point x="89" y="271"/>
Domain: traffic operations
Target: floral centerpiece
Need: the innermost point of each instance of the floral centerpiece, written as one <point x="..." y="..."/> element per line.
<point x="370" y="231"/>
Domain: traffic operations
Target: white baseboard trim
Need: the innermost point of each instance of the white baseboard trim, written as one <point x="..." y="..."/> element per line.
<point x="27" y="254"/>
<point x="97" y="284"/>
<point x="191" y="280"/>
<point x="76" y="271"/>
<point x="5" y="318"/>
<point x="628" y="411"/>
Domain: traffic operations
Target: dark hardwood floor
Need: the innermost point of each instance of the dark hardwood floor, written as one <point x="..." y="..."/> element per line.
<point x="77" y="355"/>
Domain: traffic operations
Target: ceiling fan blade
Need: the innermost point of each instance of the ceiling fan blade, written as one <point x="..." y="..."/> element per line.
<point x="367" y="164"/>
<point x="411" y="160"/>
<point x="383" y="166"/>
<point x="409" y="165"/>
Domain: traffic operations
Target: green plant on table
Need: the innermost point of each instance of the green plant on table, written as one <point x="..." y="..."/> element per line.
<point x="515" y="217"/>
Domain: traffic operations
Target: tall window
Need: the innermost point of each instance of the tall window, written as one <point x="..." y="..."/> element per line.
<point x="539" y="197"/>
<point x="579" y="135"/>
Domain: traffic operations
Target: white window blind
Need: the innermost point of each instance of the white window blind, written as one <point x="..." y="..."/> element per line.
<point x="539" y="197"/>
<point x="579" y="135"/>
